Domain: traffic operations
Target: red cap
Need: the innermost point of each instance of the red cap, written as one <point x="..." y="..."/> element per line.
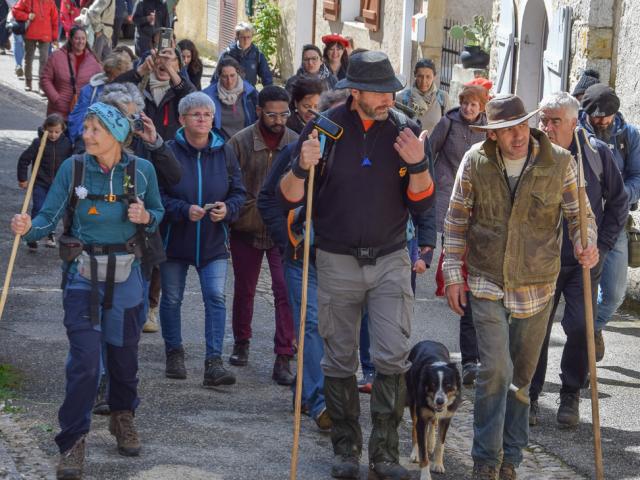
<point x="335" y="38"/>
<point x="480" y="81"/>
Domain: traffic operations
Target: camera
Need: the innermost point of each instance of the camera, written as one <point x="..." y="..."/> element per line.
<point x="136" y="122"/>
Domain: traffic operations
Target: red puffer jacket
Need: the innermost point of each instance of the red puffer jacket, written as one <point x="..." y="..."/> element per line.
<point x="44" y="27"/>
<point x="69" y="10"/>
<point x="56" y="79"/>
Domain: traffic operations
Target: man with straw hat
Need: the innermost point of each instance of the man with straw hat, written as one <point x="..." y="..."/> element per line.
<point x="375" y="174"/>
<point x="504" y="215"/>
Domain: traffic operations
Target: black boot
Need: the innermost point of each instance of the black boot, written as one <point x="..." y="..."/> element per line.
<point x="175" y="364"/>
<point x="282" y="370"/>
<point x="569" y="410"/>
<point x="343" y="404"/>
<point x="101" y="405"/>
<point x="240" y="355"/>
<point x="387" y="406"/>
<point x="215" y="374"/>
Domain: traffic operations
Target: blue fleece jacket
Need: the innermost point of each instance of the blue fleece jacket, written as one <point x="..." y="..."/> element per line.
<point x="623" y="136"/>
<point x="89" y="94"/>
<point x="110" y="225"/>
<point x="253" y="62"/>
<point x="208" y="176"/>
<point x="249" y="100"/>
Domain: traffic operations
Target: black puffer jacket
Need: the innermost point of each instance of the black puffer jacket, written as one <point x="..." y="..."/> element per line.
<point x="54" y="154"/>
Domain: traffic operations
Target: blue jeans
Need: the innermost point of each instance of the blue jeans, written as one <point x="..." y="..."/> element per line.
<point x="509" y="349"/>
<point x="313" y="378"/>
<point x="613" y="283"/>
<point x="212" y="282"/>
<point x="18" y="49"/>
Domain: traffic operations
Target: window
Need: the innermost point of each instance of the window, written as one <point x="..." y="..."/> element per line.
<point x="364" y="11"/>
<point x="331" y="10"/>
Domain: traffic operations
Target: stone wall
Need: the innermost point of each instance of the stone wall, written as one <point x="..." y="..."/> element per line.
<point x="463" y="11"/>
<point x="627" y="65"/>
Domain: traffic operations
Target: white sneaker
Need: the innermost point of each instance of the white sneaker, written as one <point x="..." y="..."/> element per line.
<point x="151" y="325"/>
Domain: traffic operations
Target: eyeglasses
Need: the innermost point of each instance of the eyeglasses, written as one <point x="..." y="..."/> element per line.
<point x="274" y="115"/>
<point x="199" y="116"/>
<point x="311" y="59"/>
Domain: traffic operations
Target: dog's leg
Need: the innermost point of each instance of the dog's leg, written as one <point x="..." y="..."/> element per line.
<point x="414" y="458"/>
<point x="431" y="435"/>
<point x="438" y="457"/>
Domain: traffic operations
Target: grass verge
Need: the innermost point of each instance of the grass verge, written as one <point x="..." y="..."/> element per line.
<point x="9" y="383"/>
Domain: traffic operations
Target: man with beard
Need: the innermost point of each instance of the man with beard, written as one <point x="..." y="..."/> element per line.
<point x="256" y="146"/>
<point x="600" y="116"/>
<point x="374" y="176"/>
<point x="608" y="199"/>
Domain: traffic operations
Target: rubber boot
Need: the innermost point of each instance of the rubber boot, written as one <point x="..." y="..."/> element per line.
<point x="343" y="404"/>
<point x="388" y="396"/>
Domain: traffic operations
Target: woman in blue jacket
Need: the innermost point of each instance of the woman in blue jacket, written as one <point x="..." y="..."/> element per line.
<point x="107" y="211"/>
<point x="195" y="232"/>
<point x="235" y="99"/>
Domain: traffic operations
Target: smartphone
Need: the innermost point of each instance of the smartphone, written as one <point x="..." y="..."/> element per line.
<point x="166" y="38"/>
<point x="326" y="126"/>
<point x="209" y="206"/>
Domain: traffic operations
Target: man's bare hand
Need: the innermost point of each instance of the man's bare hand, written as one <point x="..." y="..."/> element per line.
<point x="457" y="298"/>
<point x="409" y="147"/>
<point x="310" y="151"/>
<point x="588" y="257"/>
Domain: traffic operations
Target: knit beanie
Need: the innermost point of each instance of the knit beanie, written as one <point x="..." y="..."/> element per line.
<point x="588" y="78"/>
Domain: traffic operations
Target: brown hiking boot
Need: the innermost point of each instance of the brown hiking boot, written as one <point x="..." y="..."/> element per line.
<point x="599" y="340"/>
<point x="71" y="462"/>
<point x="240" y="355"/>
<point x="569" y="410"/>
<point x="282" y="370"/>
<point x="121" y="426"/>
<point x="484" y="472"/>
<point x="507" y="471"/>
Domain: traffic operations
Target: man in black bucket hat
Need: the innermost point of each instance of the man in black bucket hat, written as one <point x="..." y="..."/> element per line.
<point x="369" y="180"/>
<point x="504" y="223"/>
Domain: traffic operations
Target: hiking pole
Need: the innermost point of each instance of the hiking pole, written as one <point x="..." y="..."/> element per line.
<point x="588" y="313"/>
<point x="303" y="317"/>
<point x="25" y="205"/>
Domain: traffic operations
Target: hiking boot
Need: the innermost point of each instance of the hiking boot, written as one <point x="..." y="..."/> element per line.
<point x="507" y="471"/>
<point x="19" y="71"/>
<point x="282" y="370"/>
<point x="121" y="426"/>
<point x="484" y="472"/>
<point x="345" y="466"/>
<point x="388" y="471"/>
<point x="569" y="410"/>
<point x="33" y="246"/>
<point x="101" y="405"/>
<point x="240" y="355"/>
<point x="71" y="462"/>
<point x="323" y="420"/>
<point x="534" y="409"/>
<point x="469" y="373"/>
<point x="175" y="364"/>
<point x="366" y="382"/>
<point x="215" y="374"/>
<point x="51" y="241"/>
<point x="151" y="325"/>
<point x="599" y="340"/>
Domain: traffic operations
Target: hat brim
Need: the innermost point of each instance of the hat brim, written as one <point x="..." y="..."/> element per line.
<point x="506" y="123"/>
<point x="388" y="86"/>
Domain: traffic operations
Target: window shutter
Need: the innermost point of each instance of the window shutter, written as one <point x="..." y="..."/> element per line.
<point x="228" y="19"/>
<point x="371" y="15"/>
<point x="505" y="40"/>
<point x="331" y="10"/>
<point x="556" y="56"/>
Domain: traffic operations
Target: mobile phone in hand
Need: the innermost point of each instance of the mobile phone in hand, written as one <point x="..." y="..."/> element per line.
<point x="209" y="206"/>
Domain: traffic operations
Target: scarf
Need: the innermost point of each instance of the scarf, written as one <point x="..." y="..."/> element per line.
<point x="230" y="97"/>
<point x="158" y="88"/>
<point x="422" y="101"/>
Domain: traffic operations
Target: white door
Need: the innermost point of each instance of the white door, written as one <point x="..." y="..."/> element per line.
<point x="556" y="56"/>
<point x="505" y="40"/>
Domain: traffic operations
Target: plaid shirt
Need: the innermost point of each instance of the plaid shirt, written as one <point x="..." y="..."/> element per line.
<point x="524" y="301"/>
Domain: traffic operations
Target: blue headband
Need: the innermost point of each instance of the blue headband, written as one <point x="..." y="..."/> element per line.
<point x="113" y="119"/>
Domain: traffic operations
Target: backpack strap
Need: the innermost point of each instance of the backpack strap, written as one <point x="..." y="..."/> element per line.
<point x="593" y="157"/>
<point x="399" y="119"/>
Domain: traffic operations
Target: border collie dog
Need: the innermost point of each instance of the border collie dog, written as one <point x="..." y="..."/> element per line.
<point x="433" y="396"/>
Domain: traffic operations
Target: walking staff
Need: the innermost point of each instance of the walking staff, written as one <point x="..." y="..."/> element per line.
<point x="25" y="205"/>
<point x="588" y="311"/>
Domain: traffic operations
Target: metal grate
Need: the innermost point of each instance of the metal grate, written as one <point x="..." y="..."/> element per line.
<point x="450" y="55"/>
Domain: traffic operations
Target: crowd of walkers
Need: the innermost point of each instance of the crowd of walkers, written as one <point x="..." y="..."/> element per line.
<point x="151" y="174"/>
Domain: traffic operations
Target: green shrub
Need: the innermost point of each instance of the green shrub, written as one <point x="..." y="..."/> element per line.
<point x="267" y="22"/>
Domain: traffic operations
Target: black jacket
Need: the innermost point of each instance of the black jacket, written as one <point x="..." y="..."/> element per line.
<point x="52" y="157"/>
<point x="145" y="30"/>
<point x="161" y="156"/>
<point x="358" y="205"/>
<point x="164" y="116"/>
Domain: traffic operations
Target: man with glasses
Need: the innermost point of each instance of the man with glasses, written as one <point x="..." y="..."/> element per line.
<point x="250" y="58"/>
<point x="313" y="66"/>
<point x="256" y="147"/>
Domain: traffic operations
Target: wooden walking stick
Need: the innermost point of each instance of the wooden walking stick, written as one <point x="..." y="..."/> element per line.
<point x="588" y="312"/>
<point x="25" y="205"/>
<point x="303" y="317"/>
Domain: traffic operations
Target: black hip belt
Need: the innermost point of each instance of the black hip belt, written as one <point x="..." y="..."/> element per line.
<point x="109" y="249"/>
<point x="364" y="255"/>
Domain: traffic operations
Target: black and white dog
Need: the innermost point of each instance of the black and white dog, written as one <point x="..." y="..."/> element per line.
<point x="433" y="396"/>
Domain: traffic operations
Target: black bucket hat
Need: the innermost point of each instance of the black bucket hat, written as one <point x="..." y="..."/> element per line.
<point x="371" y="71"/>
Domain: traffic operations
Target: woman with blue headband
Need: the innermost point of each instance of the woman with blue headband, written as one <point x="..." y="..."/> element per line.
<point x="109" y="200"/>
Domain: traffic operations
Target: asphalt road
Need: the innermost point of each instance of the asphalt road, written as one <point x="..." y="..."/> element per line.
<point x="244" y="431"/>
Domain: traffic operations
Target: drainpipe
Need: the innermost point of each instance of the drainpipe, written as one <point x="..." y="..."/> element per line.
<point x="405" y="46"/>
<point x="313" y="24"/>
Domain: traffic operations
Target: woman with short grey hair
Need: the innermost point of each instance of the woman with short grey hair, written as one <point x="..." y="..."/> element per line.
<point x="199" y="211"/>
